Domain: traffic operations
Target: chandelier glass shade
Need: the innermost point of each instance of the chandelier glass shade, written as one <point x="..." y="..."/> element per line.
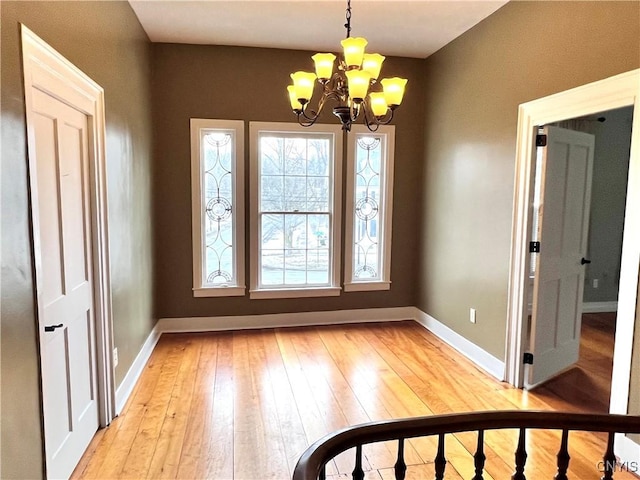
<point x="350" y="85"/>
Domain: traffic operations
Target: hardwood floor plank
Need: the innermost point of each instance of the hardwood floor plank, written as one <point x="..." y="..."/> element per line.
<point x="217" y="453"/>
<point x="314" y="423"/>
<point x="196" y="436"/>
<point x="377" y="455"/>
<point x="171" y="443"/>
<point x="100" y="446"/>
<point x="130" y="430"/>
<point x="372" y="379"/>
<point x="291" y="426"/>
<point x="244" y="405"/>
<point x="258" y="448"/>
<point x="144" y="445"/>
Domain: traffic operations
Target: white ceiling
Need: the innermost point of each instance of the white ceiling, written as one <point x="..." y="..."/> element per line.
<point x="413" y="28"/>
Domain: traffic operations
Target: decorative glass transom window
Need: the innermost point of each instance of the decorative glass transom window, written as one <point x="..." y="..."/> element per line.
<point x="295" y="222"/>
<point x="369" y="206"/>
<point x="217" y="207"/>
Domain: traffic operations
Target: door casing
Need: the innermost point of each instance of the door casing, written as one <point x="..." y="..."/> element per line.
<point x="46" y="70"/>
<point x="614" y="92"/>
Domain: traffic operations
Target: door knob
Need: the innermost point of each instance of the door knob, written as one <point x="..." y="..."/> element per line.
<point x="584" y="261"/>
<point x="51" y="328"/>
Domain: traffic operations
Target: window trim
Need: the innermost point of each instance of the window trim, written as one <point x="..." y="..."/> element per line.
<point x="334" y="289"/>
<point x="197" y="213"/>
<point x="386" y="210"/>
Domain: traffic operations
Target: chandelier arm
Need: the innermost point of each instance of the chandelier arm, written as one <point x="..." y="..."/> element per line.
<point x="387" y="120"/>
<point x="308" y="122"/>
<point x="312" y="118"/>
<point x="328" y="93"/>
<point x="374" y="123"/>
<point x="371" y="124"/>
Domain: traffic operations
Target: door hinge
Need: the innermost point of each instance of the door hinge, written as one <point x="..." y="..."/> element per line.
<point x="527" y="358"/>
<point x="541" y="140"/>
<point x="534" y="247"/>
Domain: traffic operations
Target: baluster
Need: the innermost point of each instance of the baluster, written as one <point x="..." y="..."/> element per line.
<point x="400" y="467"/>
<point x="440" y="461"/>
<point x="358" y="473"/>
<point x="521" y="457"/>
<point x="563" y="457"/>
<point x="609" y="459"/>
<point x="479" y="457"/>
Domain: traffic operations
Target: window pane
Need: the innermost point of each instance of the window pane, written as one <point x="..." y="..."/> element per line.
<point x="319" y="157"/>
<point x="295" y="249"/>
<point x="272" y="248"/>
<point x="217" y="150"/>
<point x="295" y="156"/>
<point x="271" y="193"/>
<point x="272" y="155"/>
<point x="366" y="254"/>
<point x="318" y="194"/>
<point x="295" y="189"/>
<point x="296" y="175"/>
<point x="295" y="267"/>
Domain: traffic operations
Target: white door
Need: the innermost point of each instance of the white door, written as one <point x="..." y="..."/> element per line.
<point x="62" y="231"/>
<point x="565" y="195"/>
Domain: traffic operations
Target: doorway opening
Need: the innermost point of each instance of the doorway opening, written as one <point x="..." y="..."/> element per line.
<point x="612" y="93"/>
<point x="588" y="310"/>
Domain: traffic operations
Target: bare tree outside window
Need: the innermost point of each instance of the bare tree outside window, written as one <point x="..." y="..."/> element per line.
<point x="294" y="209"/>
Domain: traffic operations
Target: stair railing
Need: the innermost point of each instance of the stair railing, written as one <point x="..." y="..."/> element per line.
<point x="312" y="463"/>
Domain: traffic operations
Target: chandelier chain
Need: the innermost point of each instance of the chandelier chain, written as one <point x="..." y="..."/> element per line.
<point x="348" y="17"/>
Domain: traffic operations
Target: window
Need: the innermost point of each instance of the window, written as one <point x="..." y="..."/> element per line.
<point x="295" y="210"/>
<point x="369" y="204"/>
<point x="217" y="179"/>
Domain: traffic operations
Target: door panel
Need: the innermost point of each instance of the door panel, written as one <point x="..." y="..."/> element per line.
<point x="47" y="175"/>
<point x="70" y="405"/>
<point x="565" y="197"/>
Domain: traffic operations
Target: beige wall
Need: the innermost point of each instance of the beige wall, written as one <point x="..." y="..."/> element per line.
<point x="526" y="50"/>
<point x="249" y="84"/>
<point x="105" y="40"/>
<point x="608" y="199"/>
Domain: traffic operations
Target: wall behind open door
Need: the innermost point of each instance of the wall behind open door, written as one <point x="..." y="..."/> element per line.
<point x="105" y="40"/>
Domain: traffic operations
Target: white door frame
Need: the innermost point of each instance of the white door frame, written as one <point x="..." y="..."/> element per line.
<point x="614" y="92"/>
<point x="46" y="70"/>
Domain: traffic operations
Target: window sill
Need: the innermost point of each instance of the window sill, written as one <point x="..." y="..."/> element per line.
<point x="366" y="286"/>
<point x="295" y="293"/>
<point x="219" y="292"/>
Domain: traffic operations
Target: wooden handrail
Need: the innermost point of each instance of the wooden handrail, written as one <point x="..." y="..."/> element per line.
<point x="312" y="462"/>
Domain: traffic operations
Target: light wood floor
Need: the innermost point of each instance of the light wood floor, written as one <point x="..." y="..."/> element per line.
<point x="245" y="405"/>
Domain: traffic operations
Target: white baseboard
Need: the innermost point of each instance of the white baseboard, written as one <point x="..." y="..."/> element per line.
<point x="599" y="307"/>
<point x="477" y="355"/>
<point x="473" y="352"/>
<point x="129" y="382"/>
<point x="244" y="322"/>
<point x="628" y="453"/>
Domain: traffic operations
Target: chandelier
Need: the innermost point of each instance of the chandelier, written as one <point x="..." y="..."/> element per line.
<point x="349" y="86"/>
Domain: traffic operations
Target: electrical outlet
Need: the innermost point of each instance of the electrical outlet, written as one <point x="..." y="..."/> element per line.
<point x="472" y="315"/>
<point x="595" y="283"/>
<point x="115" y="357"/>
